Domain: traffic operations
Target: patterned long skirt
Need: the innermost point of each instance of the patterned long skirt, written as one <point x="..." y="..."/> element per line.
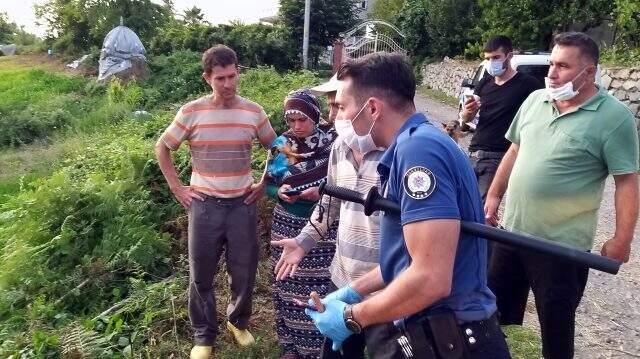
<point x="296" y="332"/>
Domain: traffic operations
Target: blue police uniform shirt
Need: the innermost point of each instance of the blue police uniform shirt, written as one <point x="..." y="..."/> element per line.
<point x="429" y="175"/>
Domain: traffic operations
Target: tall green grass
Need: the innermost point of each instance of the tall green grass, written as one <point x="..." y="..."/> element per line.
<point x="35" y="104"/>
<point x="88" y="225"/>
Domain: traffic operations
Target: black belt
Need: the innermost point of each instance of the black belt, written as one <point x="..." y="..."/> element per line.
<point x="440" y="336"/>
<point x="475" y="332"/>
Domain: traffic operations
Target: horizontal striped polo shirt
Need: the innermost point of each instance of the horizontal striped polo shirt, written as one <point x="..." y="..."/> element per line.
<point x="220" y="141"/>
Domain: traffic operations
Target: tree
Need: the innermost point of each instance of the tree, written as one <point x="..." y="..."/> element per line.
<point x="532" y="23"/>
<point x="627" y="15"/>
<point x="77" y="25"/>
<point x="7" y="29"/>
<point x="194" y="16"/>
<point x="412" y="21"/>
<point x="450" y="25"/>
<point x="386" y="10"/>
<point x="437" y="28"/>
<point x="328" y="19"/>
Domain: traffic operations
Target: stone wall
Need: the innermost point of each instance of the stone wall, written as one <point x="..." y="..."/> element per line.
<point x="446" y="76"/>
<point x="624" y="84"/>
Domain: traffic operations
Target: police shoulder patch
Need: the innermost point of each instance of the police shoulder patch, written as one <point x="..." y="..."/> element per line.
<point x="419" y="182"/>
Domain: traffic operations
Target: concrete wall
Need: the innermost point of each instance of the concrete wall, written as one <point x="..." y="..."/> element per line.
<point x="446" y="76"/>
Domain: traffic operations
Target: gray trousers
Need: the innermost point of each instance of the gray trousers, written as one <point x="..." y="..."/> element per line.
<point x="216" y="224"/>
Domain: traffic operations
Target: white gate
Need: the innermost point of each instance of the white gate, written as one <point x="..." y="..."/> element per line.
<point x="365" y="39"/>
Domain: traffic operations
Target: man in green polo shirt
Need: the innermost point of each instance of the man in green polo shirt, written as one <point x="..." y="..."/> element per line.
<point x="566" y="139"/>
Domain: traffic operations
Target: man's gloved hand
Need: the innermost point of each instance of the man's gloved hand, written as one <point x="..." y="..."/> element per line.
<point x="331" y="322"/>
<point x="345" y="294"/>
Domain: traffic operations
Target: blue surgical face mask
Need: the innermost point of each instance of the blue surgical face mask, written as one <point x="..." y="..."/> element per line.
<point x="495" y="67"/>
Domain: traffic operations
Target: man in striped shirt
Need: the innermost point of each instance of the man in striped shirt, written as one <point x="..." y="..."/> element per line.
<point x="352" y="166"/>
<point x="220" y="129"/>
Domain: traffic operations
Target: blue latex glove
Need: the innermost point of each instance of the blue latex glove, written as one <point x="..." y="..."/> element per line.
<point x="331" y="322"/>
<point x="345" y="294"/>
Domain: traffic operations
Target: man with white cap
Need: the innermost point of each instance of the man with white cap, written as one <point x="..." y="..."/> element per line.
<point x="328" y="89"/>
<point x="352" y="164"/>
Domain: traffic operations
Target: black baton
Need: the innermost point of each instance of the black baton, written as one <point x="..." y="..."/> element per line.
<point x="375" y="202"/>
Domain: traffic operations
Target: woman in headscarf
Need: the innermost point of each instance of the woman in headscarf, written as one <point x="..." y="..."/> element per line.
<point x="299" y="162"/>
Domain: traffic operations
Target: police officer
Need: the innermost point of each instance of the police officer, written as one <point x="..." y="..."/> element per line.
<point x="432" y="278"/>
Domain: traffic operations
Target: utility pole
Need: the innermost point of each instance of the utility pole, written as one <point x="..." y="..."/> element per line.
<point x="305" y="37"/>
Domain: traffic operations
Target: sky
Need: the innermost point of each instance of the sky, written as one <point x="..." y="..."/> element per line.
<point x="216" y="11"/>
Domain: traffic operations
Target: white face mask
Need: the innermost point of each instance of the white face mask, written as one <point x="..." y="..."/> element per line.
<point x="345" y="130"/>
<point x="564" y="92"/>
<point x="495" y="67"/>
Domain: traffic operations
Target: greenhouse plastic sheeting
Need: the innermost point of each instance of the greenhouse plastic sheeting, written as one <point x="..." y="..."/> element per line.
<point x="8" y="50"/>
<point x="120" y="47"/>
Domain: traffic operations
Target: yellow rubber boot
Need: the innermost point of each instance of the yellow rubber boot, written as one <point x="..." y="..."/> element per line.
<point x="242" y="336"/>
<point x="201" y="352"/>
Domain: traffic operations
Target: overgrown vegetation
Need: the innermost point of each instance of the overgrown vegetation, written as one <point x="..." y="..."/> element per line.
<point x="93" y="244"/>
<point x="439" y="28"/>
<point x="36" y="104"/>
<point x="11" y="33"/>
<point x="79" y="26"/>
<point x="255" y="44"/>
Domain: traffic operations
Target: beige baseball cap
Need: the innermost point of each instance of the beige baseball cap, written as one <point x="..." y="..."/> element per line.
<point x="325" y="88"/>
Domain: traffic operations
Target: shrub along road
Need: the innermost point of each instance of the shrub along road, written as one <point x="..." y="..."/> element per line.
<point x="608" y="319"/>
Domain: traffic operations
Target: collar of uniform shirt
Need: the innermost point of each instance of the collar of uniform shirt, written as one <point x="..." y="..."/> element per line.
<point x="413" y="121"/>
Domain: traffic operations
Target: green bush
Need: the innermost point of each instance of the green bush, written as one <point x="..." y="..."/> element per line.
<point x="473" y="51"/>
<point x="255" y="44"/>
<point x="95" y="209"/>
<point x="269" y="88"/>
<point x="174" y="78"/>
<point x="121" y="93"/>
<point x="35" y="104"/>
<point x="627" y="16"/>
<point x="178" y="77"/>
<point x="99" y="232"/>
<point x="621" y="55"/>
<point x="95" y="226"/>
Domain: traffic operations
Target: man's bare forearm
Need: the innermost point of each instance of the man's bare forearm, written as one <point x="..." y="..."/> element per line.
<point x="393" y="302"/>
<point x="432" y="246"/>
<point x="626" y="202"/>
<point x="166" y="165"/>
<point x="501" y="179"/>
<point x="369" y="283"/>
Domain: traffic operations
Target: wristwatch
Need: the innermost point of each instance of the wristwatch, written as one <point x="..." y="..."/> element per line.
<point x="350" y="322"/>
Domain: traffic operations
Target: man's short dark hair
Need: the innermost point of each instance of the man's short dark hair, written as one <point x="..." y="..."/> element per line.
<point x="588" y="48"/>
<point x="219" y="55"/>
<point x="499" y="42"/>
<point x="388" y="76"/>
